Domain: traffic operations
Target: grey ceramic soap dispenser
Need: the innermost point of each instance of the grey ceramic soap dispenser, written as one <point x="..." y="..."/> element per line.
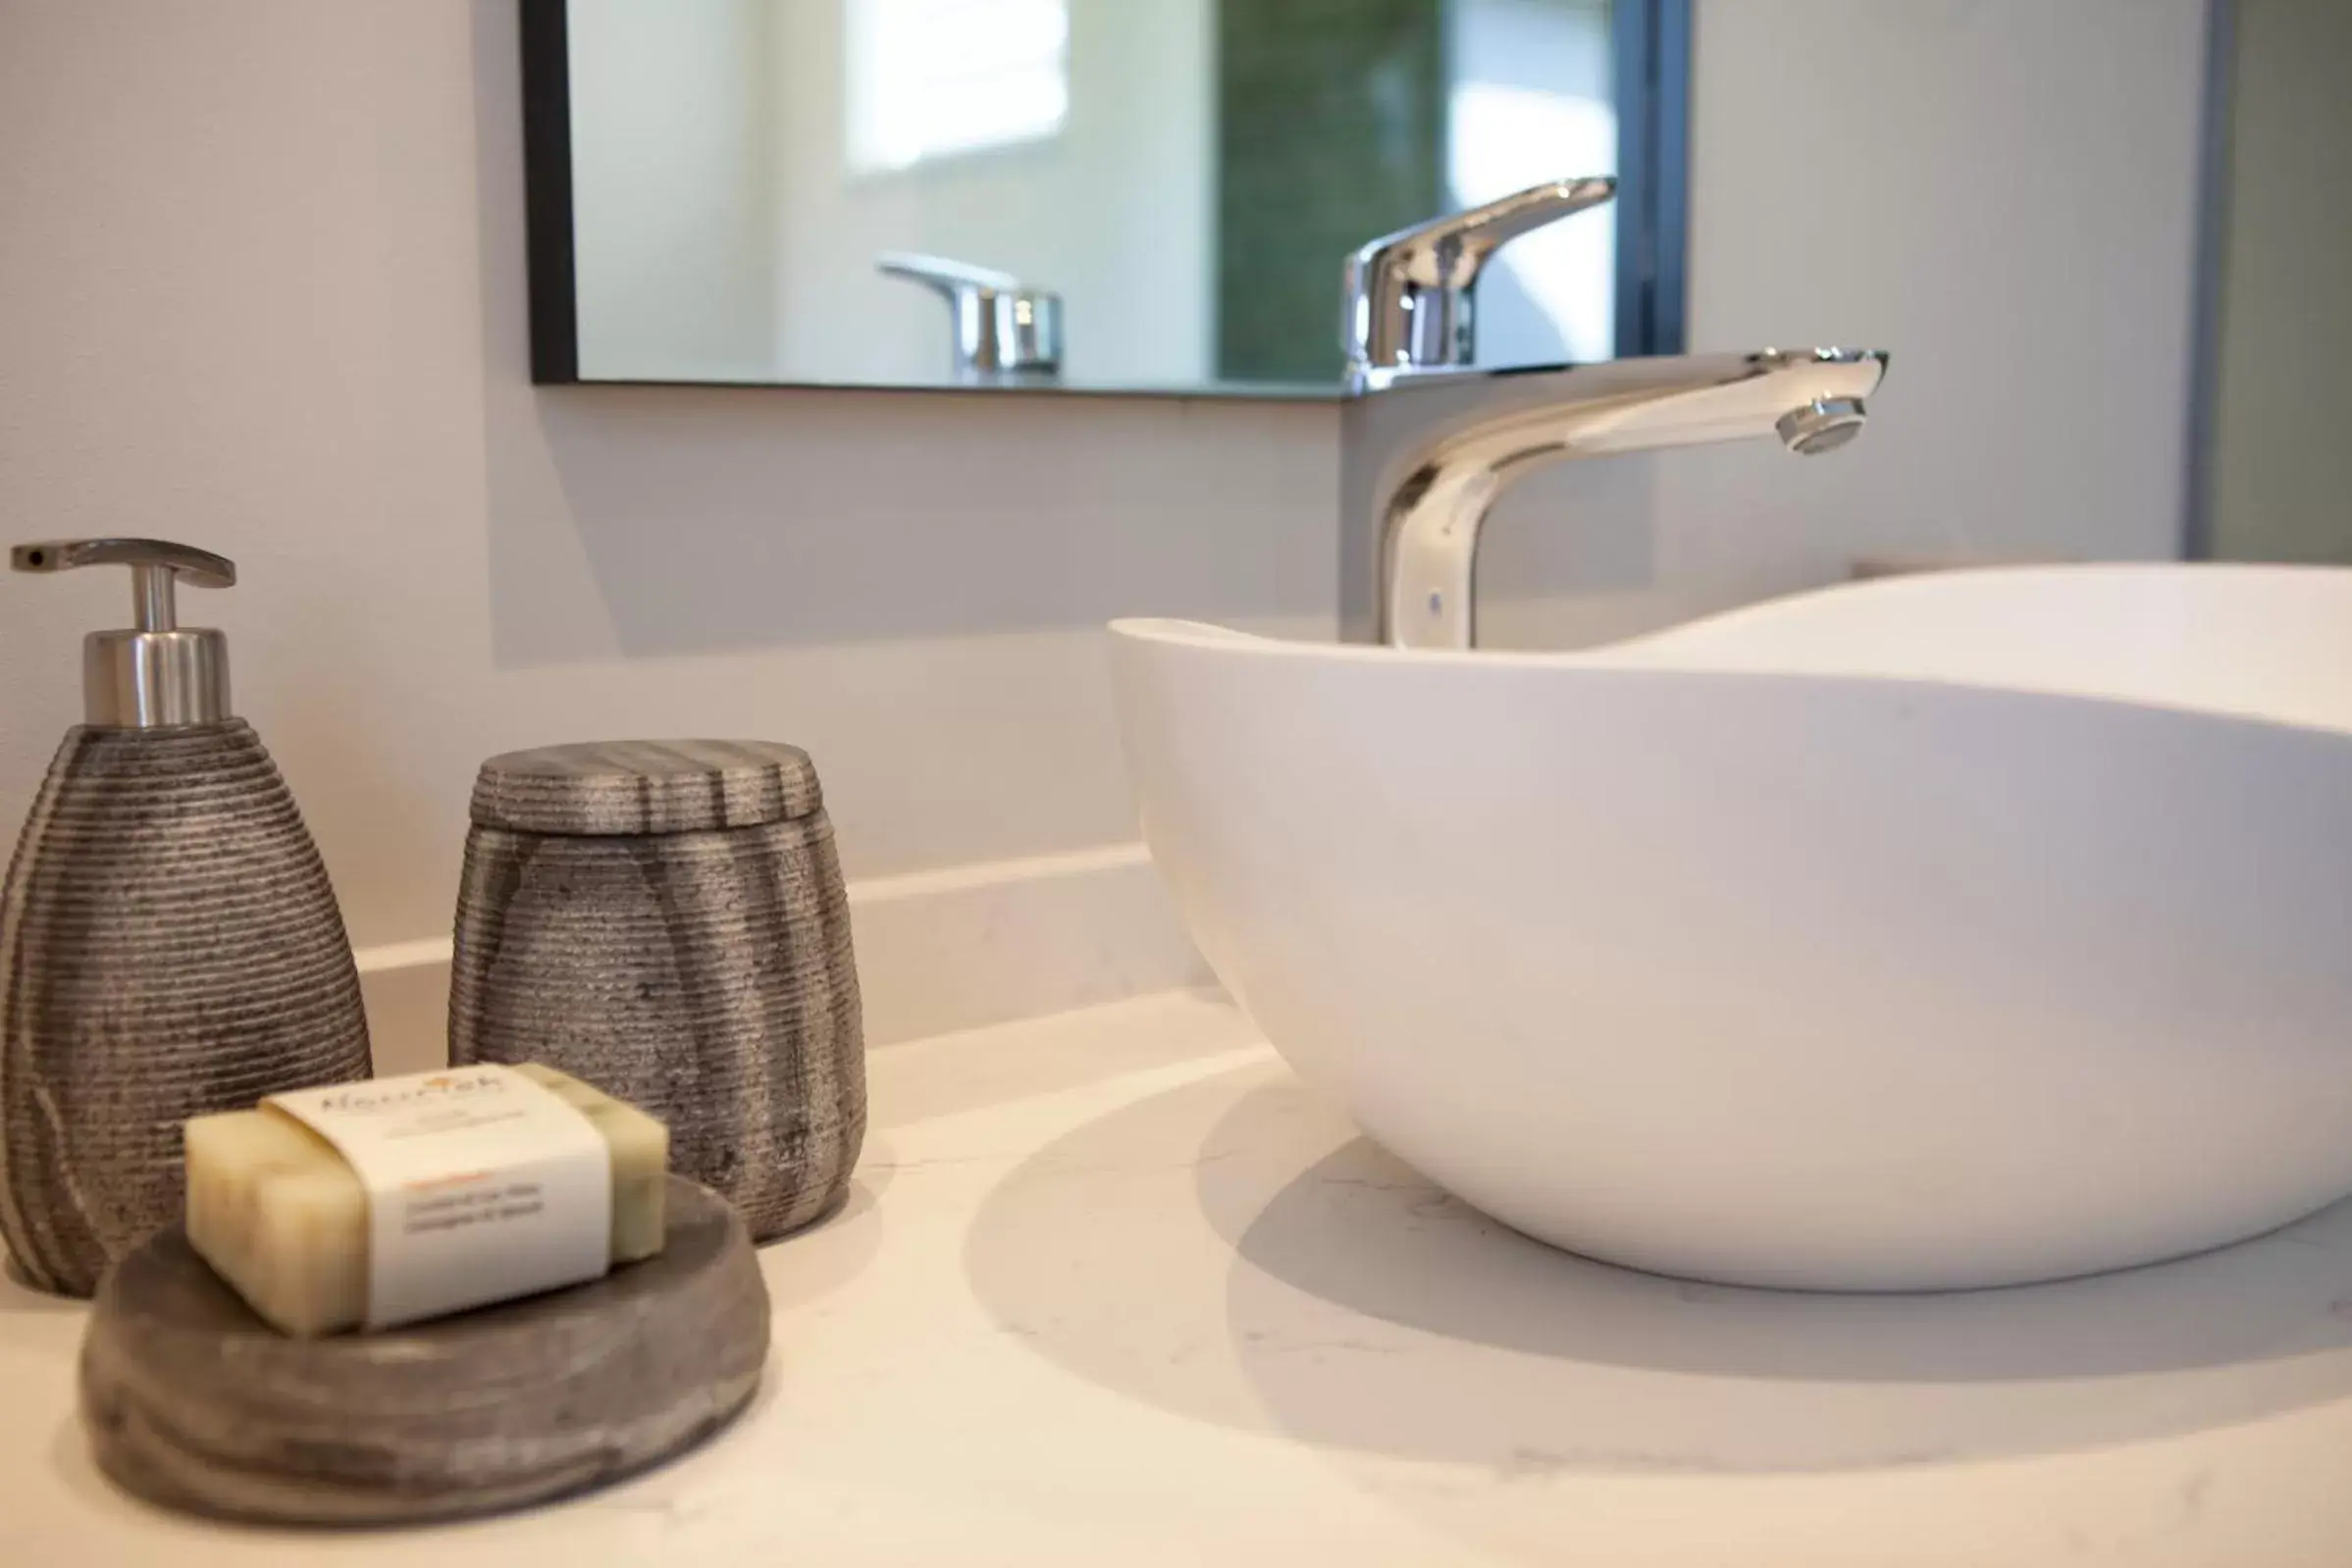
<point x="168" y="944"/>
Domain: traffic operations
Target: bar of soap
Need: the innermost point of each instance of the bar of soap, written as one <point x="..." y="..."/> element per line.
<point x="279" y="1216"/>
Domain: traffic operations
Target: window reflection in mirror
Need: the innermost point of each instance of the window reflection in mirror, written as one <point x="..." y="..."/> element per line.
<point x="927" y="80"/>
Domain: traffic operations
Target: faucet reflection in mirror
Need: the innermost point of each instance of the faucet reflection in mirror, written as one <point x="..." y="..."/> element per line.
<point x="1004" y="334"/>
<point x="1429" y="441"/>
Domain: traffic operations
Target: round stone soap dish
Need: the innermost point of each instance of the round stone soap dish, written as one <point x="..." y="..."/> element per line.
<point x="193" y="1402"/>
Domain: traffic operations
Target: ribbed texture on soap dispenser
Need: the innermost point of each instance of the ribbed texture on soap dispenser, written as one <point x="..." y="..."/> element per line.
<point x="169" y="946"/>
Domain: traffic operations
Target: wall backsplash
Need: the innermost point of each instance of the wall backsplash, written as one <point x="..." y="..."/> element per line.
<point x="263" y="292"/>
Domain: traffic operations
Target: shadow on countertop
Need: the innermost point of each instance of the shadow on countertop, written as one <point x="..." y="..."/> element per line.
<point x="1233" y="1250"/>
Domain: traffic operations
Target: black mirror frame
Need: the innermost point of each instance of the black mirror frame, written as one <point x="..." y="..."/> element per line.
<point x="1652" y="40"/>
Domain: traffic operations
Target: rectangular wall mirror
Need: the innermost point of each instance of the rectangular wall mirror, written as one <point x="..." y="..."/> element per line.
<point x="1103" y="196"/>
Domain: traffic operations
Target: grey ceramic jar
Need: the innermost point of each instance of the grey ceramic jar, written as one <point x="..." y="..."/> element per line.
<point x="666" y="920"/>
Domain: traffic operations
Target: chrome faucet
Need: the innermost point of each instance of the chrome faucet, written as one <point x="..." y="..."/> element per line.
<point x="1006" y="333"/>
<point x="1428" y="442"/>
<point x="1409" y="293"/>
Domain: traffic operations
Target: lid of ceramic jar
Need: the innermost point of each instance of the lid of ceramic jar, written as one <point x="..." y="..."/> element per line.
<point x="646" y="787"/>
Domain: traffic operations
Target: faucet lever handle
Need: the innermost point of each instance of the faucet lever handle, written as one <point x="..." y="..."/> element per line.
<point x="945" y="274"/>
<point x="1408" y="293"/>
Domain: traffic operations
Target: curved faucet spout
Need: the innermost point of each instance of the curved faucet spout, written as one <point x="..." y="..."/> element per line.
<point x="1426" y="453"/>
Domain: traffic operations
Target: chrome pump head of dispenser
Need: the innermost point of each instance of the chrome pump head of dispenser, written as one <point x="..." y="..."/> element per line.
<point x="155" y="673"/>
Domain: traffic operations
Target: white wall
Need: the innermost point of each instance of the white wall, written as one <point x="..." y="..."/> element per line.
<point x="673" y="192"/>
<point x="2281" y="462"/>
<point x="261" y="289"/>
<point x="1115" y="213"/>
<point x="2001" y="193"/>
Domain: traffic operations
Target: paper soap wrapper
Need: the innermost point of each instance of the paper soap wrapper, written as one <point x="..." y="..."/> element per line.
<point x="477" y="1188"/>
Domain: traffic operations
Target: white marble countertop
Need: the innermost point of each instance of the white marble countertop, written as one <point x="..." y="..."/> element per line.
<point x="1116" y="1289"/>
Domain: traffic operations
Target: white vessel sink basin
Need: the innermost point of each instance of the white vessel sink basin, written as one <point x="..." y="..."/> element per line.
<point x="1943" y="932"/>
